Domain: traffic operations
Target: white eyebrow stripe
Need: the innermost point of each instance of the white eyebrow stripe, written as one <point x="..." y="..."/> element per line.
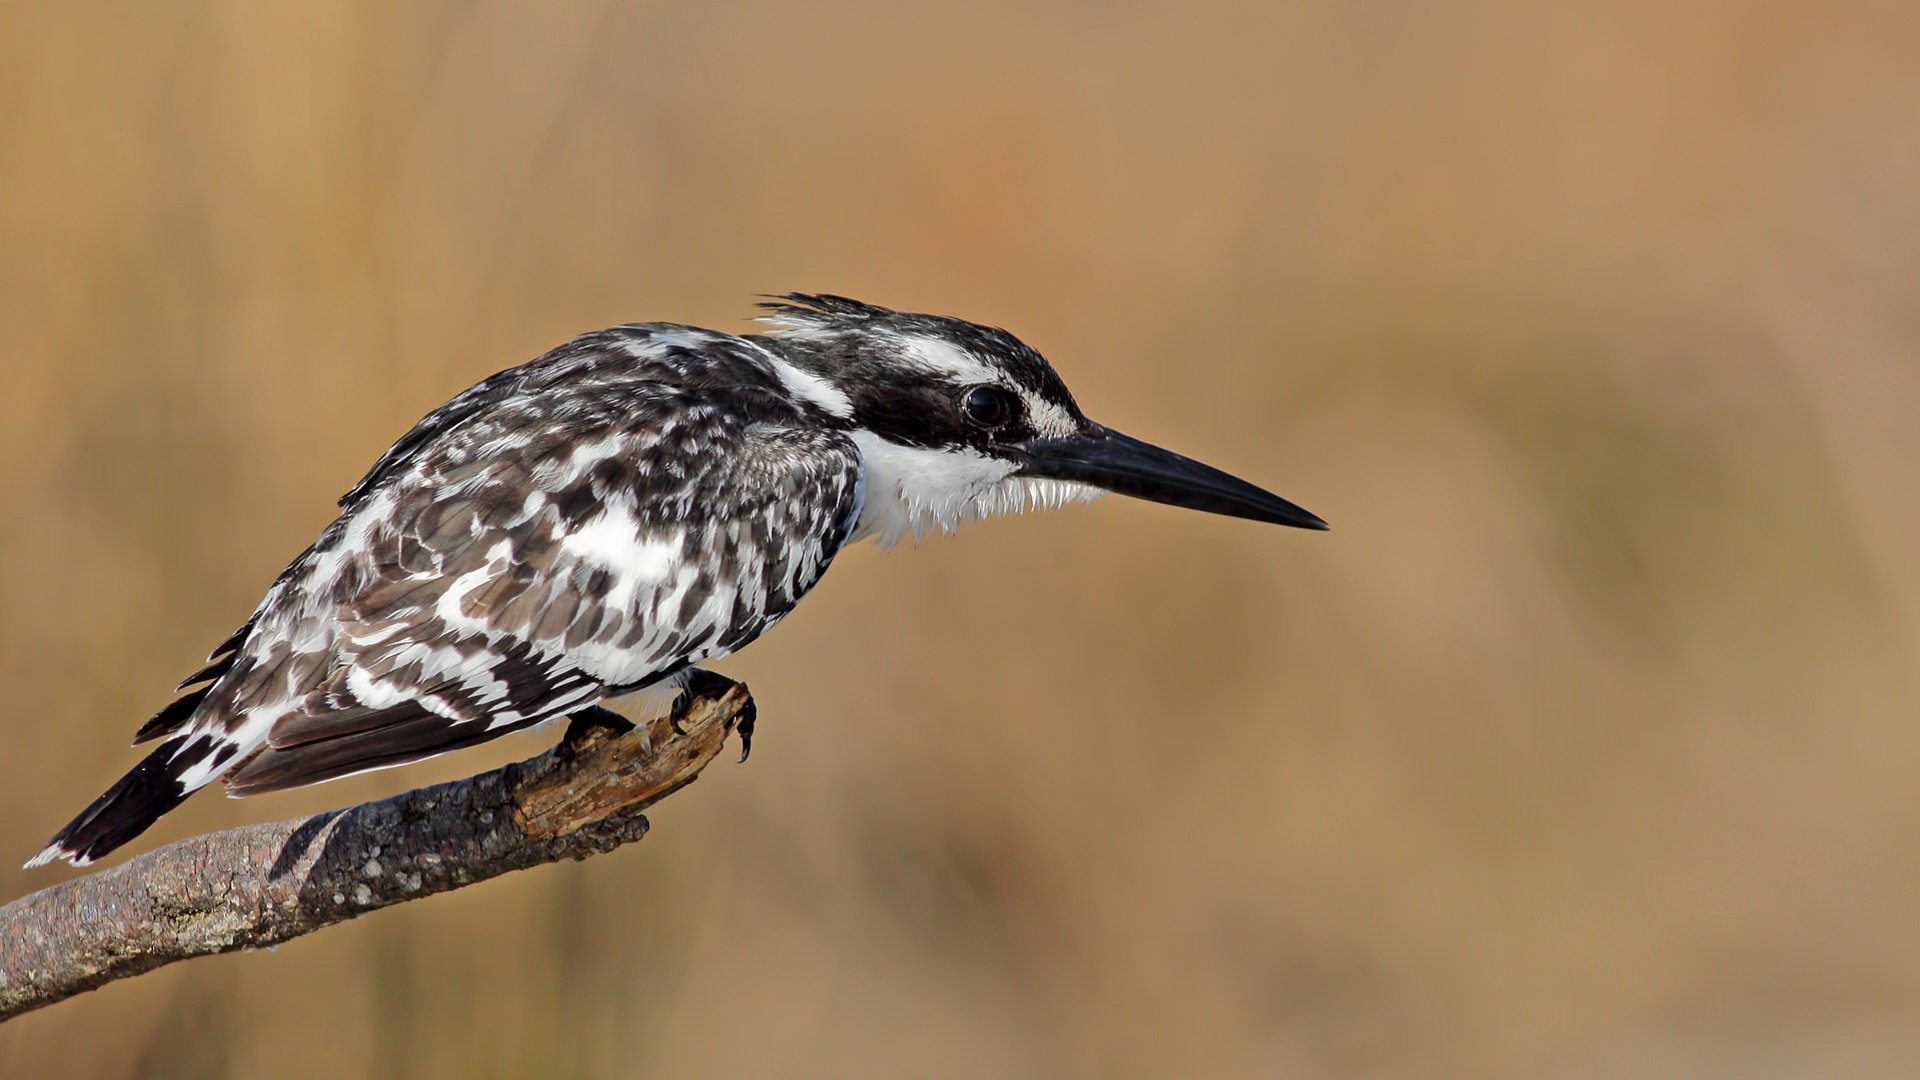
<point x="941" y="357"/>
<point x="944" y="358"/>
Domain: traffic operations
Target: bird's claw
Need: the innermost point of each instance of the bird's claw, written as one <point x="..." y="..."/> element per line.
<point x="698" y="683"/>
<point x="748" y="714"/>
<point x="677" y="712"/>
<point x="695" y="683"/>
<point x="582" y="723"/>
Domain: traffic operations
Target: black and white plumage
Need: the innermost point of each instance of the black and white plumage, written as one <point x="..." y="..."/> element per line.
<point x="600" y="520"/>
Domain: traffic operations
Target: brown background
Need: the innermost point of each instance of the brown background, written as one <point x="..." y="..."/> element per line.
<point x="1585" y="746"/>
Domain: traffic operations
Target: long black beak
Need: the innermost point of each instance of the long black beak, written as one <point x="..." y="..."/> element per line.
<point x="1124" y="465"/>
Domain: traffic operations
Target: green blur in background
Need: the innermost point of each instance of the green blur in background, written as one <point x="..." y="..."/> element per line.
<point x="1585" y="745"/>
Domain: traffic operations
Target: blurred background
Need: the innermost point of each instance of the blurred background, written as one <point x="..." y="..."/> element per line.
<point x="1584" y="746"/>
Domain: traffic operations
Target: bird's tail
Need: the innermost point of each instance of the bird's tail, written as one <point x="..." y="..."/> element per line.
<point x="132" y="804"/>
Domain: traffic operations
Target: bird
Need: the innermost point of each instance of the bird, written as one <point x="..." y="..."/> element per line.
<point x="602" y="520"/>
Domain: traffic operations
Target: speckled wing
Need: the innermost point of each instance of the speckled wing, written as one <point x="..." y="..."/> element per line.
<point x="537" y="550"/>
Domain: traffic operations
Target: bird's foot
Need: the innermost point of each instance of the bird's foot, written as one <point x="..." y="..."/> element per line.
<point x="695" y="683"/>
<point x="699" y="682"/>
<point x="581" y="725"/>
<point x="744" y="726"/>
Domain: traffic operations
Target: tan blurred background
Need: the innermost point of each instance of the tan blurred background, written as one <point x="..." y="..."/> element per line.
<point x="1586" y="745"/>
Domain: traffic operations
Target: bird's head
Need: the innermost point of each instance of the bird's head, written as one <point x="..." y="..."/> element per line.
<point x="957" y="421"/>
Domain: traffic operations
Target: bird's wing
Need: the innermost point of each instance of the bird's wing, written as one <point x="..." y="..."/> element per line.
<point x="547" y="550"/>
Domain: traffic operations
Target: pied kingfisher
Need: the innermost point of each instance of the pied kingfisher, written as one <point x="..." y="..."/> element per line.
<point x="600" y="520"/>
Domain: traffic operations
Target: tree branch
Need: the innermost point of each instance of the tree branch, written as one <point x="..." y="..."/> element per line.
<point x="260" y="885"/>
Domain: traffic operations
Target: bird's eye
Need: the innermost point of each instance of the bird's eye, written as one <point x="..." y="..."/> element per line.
<point x="987" y="406"/>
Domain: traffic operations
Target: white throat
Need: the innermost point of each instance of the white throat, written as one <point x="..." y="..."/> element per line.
<point x="912" y="489"/>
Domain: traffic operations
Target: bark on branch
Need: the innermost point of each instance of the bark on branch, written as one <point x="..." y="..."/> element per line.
<point x="259" y="885"/>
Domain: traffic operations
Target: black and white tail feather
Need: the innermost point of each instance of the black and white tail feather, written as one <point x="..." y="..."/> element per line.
<point x="599" y="521"/>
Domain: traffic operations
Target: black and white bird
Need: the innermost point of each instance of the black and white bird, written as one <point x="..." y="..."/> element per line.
<point x="600" y="520"/>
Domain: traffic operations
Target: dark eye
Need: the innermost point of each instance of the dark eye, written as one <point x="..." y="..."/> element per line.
<point x="987" y="407"/>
